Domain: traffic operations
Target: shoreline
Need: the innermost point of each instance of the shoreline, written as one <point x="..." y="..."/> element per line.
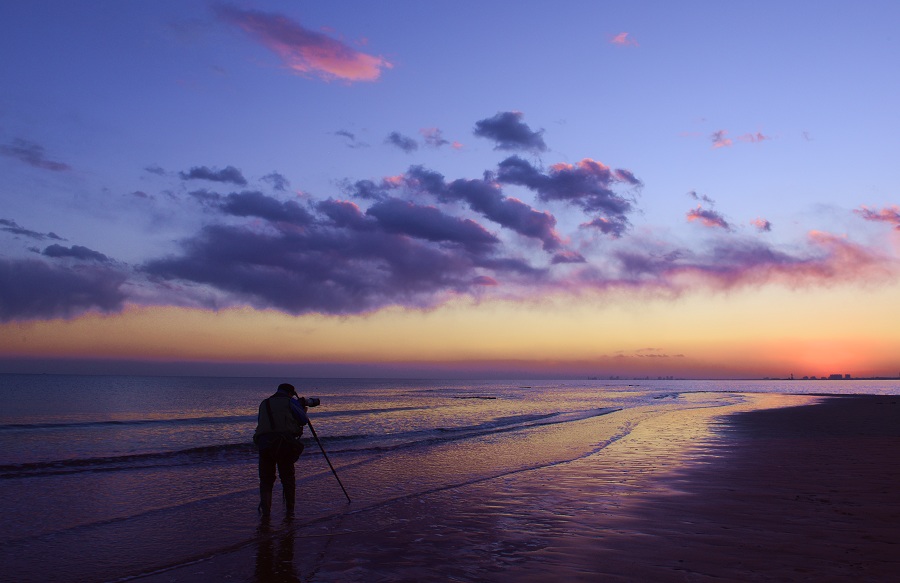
<point x="752" y="494"/>
<point x="796" y="493"/>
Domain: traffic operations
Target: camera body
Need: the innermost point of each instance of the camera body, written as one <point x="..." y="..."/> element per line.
<point x="309" y="401"/>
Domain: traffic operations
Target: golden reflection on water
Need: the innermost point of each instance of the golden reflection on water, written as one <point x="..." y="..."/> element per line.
<point x="524" y="505"/>
<point x="625" y="451"/>
<point x="664" y="442"/>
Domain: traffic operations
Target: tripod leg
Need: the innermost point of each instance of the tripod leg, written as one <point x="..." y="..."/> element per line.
<point x="328" y="460"/>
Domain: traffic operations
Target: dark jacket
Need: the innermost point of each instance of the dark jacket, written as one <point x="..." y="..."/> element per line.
<point x="283" y="414"/>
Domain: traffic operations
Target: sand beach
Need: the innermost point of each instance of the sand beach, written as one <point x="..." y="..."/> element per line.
<point x="804" y="491"/>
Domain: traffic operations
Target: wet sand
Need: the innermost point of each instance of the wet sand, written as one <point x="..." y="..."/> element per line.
<point x="796" y="494"/>
<point x="806" y="493"/>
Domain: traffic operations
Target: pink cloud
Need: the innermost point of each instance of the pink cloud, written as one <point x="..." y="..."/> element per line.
<point x="761" y="224"/>
<point x="303" y="50"/>
<point x="844" y="259"/>
<point x="568" y="256"/>
<point x="719" y="140"/>
<point x="708" y="218"/>
<point x="622" y="40"/>
<point x="586" y="165"/>
<point x="737" y="262"/>
<point x="890" y="215"/>
<point x="485" y="280"/>
<point x="434" y="137"/>
<point x="394" y="181"/>
<point x="623" y="175"/>
<point x="754" y="138"/>
<point x="603" y="225"/>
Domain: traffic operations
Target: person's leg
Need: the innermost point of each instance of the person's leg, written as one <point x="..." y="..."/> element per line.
<point x="266" y="482"/>
<point x="288" y="483"/>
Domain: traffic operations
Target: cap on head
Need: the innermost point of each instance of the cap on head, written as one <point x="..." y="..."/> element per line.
<point x="287" y="388"/>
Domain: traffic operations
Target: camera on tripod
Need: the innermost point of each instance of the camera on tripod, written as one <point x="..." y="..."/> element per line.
<point x="309" y="401"/>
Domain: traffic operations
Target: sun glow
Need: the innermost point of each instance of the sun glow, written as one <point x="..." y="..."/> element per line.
<point x="752" y="333"/>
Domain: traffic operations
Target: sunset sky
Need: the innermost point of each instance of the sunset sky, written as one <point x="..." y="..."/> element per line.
<point x="450" y="189"/>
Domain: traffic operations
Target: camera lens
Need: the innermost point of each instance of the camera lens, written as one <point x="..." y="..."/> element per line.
<point x="312" y="401"/>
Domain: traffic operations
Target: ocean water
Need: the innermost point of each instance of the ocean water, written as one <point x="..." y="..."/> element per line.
<point x="114" y="478"/>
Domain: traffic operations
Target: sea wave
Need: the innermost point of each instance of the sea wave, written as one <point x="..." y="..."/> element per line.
<point x="336" y="445"/>
<point x="181" y="421"/>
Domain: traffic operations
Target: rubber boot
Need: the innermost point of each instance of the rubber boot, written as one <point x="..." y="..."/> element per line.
<point x="289" y="498"/>
<point x="265" y="501"/>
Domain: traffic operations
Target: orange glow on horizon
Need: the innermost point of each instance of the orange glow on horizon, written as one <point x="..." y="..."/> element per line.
<point x="763" y="332"/>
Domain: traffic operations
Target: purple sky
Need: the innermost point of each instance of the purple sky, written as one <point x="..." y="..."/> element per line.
<point x="341" y="159"/>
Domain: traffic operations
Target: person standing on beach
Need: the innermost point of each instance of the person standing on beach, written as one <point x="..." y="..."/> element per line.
<point x="279" y="423"/>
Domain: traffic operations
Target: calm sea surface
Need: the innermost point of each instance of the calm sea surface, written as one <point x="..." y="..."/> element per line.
<point x="106" y="478"/>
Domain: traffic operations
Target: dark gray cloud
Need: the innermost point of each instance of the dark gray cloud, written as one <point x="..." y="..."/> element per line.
<point x="428" y="181"/>
<point x="257" y="204"/>
<point x="278" y="181"/>
<point x="342" y="260"/>
<point x="154" y="169"/>
<point x="613" y="228"/>
<point x="252" y="203"/>
<point x="334" y="257"/>
<point x="229" y="174"/>
<point x="205" y="196"/>
<point x="324" y="270"/>
<point x="701" y="197"/>
<point x="405" y="143"/>
<point x="31" y="289"/>
<point x="346" y="214"/>
<point x="391" y="248"/>
<point x="399" y="216"/>
<point x="368" y="190"/>
<point x="588" y="184"/>
<point x="10" y="226"/>
<point x="642" y="265"/>
<point x="32" y="154"/>
<point x="433" y="137"/>
<point x="568" y="257"/>
<point x="351" y="140"/>
<point x="485" y="197"/>
<point x="75" y="252"/>
<point x="509" y="132"/>
<point x="347" y="261"/>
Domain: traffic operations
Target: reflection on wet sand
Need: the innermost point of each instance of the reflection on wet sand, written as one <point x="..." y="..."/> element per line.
<point x="275" y="555"/>
<point x="667" y="499"/>
<point x="539" y="523"/>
